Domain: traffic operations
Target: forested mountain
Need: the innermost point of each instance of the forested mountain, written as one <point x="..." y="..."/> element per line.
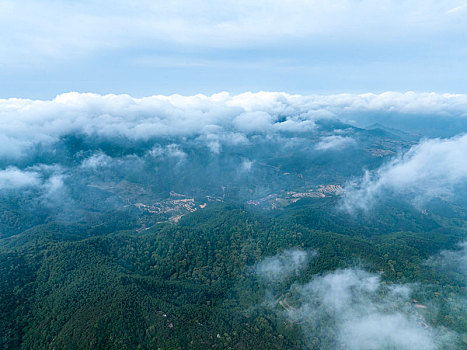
<point x="193" y="285"/>
<point x="231" y="225"/>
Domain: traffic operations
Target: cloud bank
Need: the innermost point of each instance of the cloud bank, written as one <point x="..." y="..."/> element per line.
<point x="219" y="118"/>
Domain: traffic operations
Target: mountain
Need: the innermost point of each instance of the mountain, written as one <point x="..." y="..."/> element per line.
<point x="284" y="238"/>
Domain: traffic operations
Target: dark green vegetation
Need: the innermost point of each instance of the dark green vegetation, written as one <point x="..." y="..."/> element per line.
<point x="113" y="243"/>
<point x="192" y="284"/>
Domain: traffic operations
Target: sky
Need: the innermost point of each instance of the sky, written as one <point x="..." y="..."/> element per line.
<point x="144" y="48"/>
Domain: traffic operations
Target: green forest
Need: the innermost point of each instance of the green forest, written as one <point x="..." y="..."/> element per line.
<point x="192" y="285"/>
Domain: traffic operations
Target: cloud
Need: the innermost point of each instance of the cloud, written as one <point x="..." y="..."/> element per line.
<point x="170" y="151"/>
<point x="253" y="121"/>
<point x="46" y="180"/>
<point x="54" y="190"/>
<point x="394" y="330"/>
<point x="218" y="119"/>
<point x="246" y="165"/>
<point x="283" y="265"/>
<point x="96" y="161"/>
<point x="432" y="168"/>
<point x="14" y="178"/>
<point x="70" y="30"/>
<point x="353" y="309"/>
<point x="334" y="142"/>
<point x="453" y="262"/>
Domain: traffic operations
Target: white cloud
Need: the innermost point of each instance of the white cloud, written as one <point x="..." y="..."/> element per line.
<point x="253" y="121"/>
<point x="354" y="309"/>
<point x="380" y="330"/>
<point x="452" y="261"/>
<point x="171" y="151"/>
<point x="246" y="165"/>
<point x="72" y="29"/>
<point x="432" y="168"/>
<point x="54" y="186"/>
<point x="277" y="268"/>
<point x="46" y="180"/>
<point x="218" y="119"/>
<point x="14" y="178"/>
<point x="96" y="161"/>
<point x="334" y="142"/>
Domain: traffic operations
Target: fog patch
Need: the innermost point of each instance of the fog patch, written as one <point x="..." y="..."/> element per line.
<point x="281" y="266"/>
<point x="354" y="309"/>
<point x="453" y="262"/>
<point x="54" y="189"/>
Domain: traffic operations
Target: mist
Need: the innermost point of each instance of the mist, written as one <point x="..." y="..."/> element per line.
<point x="433" y="168"/>
<point x="352" y="308"/>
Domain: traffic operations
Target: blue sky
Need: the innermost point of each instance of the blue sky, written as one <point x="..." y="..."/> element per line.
<point x="164" y="47"/>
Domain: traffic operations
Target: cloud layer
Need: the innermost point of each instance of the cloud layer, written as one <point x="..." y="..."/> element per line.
<point x="219" y="118"/>
<point x="83" y="28"/>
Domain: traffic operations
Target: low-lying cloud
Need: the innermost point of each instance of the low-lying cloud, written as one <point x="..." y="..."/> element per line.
<point x="223" y="117"/>
<point x="453" y="262"/>
<point x="334" y="142"/>
<point x="432" y="168"/>
<point x="46" y="182"/>
<point x="363" y="312"/>
<point x="96" y="161"/>
<point x="14" y="178"/>
<point x="283" y="265"/>
<point x="354" y="309"/>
